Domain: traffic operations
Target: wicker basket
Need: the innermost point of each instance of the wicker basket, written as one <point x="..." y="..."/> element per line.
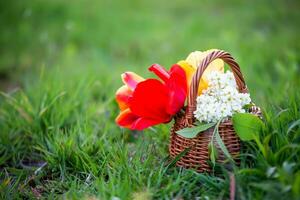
<point x="198" y="156"/>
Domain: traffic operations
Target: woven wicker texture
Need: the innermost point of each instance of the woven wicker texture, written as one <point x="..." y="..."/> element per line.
<point x="198" y="156"/>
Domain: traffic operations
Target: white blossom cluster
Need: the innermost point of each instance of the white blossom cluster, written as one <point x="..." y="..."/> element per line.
<point x="221" y="99"/>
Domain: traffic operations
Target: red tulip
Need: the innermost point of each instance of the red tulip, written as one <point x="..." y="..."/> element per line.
<point x="144" y="103"/>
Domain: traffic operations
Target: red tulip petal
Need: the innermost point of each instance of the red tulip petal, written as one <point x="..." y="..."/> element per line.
<point x="150" y="99"/>
<point x="143" y="123"/>
<point x="160" y="72"/>
<point x="122" y="97"/>
<point x="126" y="118"/>
<point x="177" y="89"/>
<point x="131" y="79"/>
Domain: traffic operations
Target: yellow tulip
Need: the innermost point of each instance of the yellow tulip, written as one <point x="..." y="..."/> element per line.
<point x="190" y="64"/>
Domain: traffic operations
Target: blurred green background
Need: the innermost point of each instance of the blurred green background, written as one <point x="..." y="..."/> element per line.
<point x="60" y="65"/>
<point x="115" y="36"/>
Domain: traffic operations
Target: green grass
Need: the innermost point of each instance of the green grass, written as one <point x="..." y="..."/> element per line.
<point x="60" y="66"/>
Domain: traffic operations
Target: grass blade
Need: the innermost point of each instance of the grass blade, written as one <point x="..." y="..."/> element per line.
<point x="181" y="154"/>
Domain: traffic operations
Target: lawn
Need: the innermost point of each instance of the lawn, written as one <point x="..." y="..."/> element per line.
<point x="60" y="65"/>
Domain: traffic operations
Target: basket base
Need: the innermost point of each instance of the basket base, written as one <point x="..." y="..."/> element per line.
<point x="197" y="157"/>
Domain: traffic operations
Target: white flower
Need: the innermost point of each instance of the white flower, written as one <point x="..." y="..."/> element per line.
<point x="221" y="99"/>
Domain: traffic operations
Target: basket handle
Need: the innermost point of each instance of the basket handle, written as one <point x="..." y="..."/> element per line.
<point x="227" y="58"/>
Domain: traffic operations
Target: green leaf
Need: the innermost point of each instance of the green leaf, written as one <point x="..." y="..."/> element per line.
<point x="193" y="131"/>
<point x="221" y="144"/>
<point x="247" y="125"/>
<point x="213" y="153"/>
<point x="248" y="106"/>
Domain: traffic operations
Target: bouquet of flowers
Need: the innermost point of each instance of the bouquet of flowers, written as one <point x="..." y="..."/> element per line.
<point x="211" y="108"/>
